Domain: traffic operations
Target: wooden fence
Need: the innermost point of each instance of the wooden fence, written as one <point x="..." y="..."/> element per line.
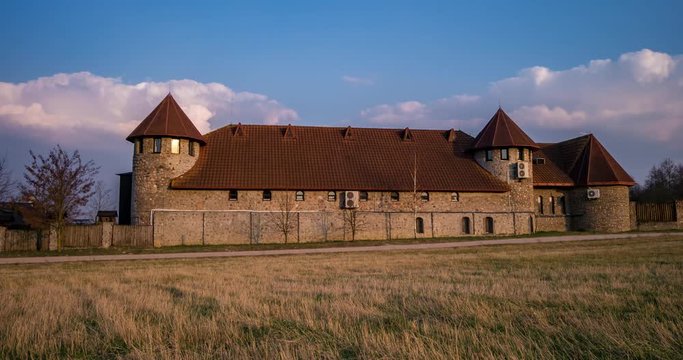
<point x="132" y="236"/>
<point x="82" y="236"/>
<point x="21" y="240"/>
<point x="655" y="212"/>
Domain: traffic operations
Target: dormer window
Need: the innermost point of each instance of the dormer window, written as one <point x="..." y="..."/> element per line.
<point x="175" y="146"/>
<point x="157" y="145"/>
<point x="331" y="196"/>
<point x="299" y="196"/>
<point x="455" y="197"/>
<point x="267" y="195"/>
<point x="504" y="154"/>
<point x="489" y="155"/>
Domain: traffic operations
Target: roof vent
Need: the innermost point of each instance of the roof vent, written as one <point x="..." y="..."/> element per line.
<point x="407" y="135"/>
<point x="289" y="132"/>
<point x="451" y="135"/>
<point x="348" y="133"/>
<point x="238" y="130"/>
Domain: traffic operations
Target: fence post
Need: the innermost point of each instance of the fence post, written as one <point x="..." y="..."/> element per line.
<point x="3" y="233"/>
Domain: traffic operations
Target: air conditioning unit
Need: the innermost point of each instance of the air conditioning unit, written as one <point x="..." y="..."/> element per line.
<point x="523" y="170"/>
<point x="593" y="194"/>
<point x="351" y="199"/>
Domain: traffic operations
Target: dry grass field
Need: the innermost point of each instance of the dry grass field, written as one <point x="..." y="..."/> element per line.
<point x="614" y="299"/>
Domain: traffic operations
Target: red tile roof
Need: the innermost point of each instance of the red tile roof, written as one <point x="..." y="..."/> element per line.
<point x="167" y="119"/>
<point x="582" y="160"/>
<point x="332" y="158"/>
<point x="502" y="132"/>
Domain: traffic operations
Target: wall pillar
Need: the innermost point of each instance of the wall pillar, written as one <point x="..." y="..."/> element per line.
<point x="107" y="233"/>
<point x="679" y="213"/>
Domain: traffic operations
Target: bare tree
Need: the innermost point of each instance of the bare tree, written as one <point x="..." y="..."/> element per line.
<point x="101" y="199"/>
<point x="6" y="182"/>
<point x="354" y="222"/>
<point x="59" y="185"/>
<point x="324" y="224"/>
<point x="283" y="219"/>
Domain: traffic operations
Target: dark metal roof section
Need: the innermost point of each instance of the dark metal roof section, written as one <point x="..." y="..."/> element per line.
<point x="501" y="132"/>
<point x="167" y="119"/>
<point x="581" y="161"/>
<point x="322" y="158"/>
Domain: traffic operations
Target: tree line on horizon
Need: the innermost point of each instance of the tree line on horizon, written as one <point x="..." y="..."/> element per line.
<point x="664" y="183"/>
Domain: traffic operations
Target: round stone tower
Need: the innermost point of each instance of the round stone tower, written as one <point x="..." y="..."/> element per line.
<point x="166" y="145"/>
<point x="504" y="150"/>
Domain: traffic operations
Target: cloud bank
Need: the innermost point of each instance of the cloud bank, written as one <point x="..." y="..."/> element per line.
<point x="640" y="94"/>
<point x="65" y="107"/>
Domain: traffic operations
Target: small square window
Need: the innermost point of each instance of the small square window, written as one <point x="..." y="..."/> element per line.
<point x="424" y="196"/>
<point x="299" y="195"/>
<point x="331" y="196"/>
<point x="504" y="154"/>
<point x="175" y="146"/>
<point x="363" y="196"/>
<point x="455" y="197"/>
<point x="157" y="145"/>
<point x="489" y="155"/>
<point x="394" y="196"/>
<point x="267" y="195"/>
<point x="233" y="195"/>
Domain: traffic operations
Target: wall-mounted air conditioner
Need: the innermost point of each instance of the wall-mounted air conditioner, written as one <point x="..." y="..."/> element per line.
<point x="593" y="194"/>
<point x="523" y="170"/>
<point x="351" y="199"/>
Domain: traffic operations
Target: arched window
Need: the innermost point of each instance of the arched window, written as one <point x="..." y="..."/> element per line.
<point x="455" y="197"/>
<point x="299" y="195"/>
<point x="331" y="196"/>
<point x="232" y="196"/>
<point x="424" y="196"/>
<point x="394" y="196"/>
<point x="267" y="195"/>
<point x="540" y="204"/>
<point x="551" y="201"/>
<point x="419" y="225"/>
<point x="466" y="225"/>
<point x="488" y="224"/>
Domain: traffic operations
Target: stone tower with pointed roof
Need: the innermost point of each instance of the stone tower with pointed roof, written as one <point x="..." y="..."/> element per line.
<point x="167" y="144"/>
<point x="505" y="150"/>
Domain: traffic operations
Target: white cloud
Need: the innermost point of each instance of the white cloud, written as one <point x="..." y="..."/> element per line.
<point x="638" y="95"/>
<point x="356" y="80"/>
<point x="62" y="106"/>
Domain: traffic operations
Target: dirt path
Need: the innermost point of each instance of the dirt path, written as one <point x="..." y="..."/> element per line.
<point x="426" y="246"/>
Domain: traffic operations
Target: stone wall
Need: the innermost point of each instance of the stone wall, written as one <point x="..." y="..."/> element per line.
<point x="555" y="214"/>
<point x="609" y="213"/>
<point x="176" y="227"/>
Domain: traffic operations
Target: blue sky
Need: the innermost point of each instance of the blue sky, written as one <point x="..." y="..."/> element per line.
<point x="367" y="63"/>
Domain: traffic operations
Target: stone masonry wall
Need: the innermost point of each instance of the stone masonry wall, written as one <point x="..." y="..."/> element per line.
<point x="609" y="213"/>
<point x="152" y="173"/>
<point x="555" y="216"/>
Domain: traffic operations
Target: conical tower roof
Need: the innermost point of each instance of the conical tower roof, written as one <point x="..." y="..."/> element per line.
<point x="502" y="132"/>
<point x="167" y="119"/>
<point x="595" y="166"/>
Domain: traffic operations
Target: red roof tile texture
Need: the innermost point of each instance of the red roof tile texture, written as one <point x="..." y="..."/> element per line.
<point x="581" y="161"/>
<point x="167" y="119"/>
<point x="330" y="158"/>
<point x="501" y="132"/>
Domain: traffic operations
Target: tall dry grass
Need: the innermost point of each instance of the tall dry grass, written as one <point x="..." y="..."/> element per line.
<point x="615" y="299"/>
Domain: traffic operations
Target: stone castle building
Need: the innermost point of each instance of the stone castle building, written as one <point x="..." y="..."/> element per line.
<point x="241" y="183"/>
